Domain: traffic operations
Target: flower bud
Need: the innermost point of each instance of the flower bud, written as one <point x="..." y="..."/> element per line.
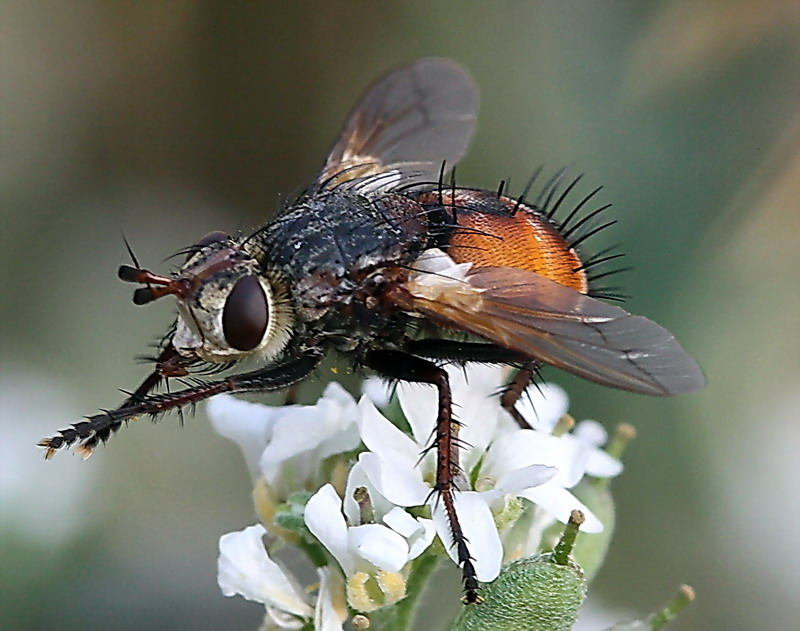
<point x="531" y="594"/>
<point x="538" y="593"/>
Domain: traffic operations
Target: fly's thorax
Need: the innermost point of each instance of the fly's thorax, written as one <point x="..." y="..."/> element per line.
<point x="333" y="233"/>
<point x="232" y="308"/>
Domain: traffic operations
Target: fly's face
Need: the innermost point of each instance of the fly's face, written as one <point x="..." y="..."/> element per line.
<point x="227" y="308"/>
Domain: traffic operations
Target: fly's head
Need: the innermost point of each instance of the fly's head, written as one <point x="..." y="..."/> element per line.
<point x="229" y="308"/>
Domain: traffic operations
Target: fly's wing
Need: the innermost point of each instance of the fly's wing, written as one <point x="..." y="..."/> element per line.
<point x="405" y="126"/>
<point x="525" y="312"/>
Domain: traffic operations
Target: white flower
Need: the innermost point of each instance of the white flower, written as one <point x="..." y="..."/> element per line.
<point x="377" y="390"/>
<point x="368" y="532"/>
<point x="244" y="568"/>
<point x="580" y="451"/>
<point x="286" y="444"/>
<point x="366" y="547"/>
<point x="504" y="462"/>
<point x="394" y="466"/>
<point x="542" y="405"/>
<point x="516" y="451"/>
<point x="369" y="551"/>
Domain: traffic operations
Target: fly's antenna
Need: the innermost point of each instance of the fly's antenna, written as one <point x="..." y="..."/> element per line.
<point x="164" y="286"/>
<point x="130" y="251"/>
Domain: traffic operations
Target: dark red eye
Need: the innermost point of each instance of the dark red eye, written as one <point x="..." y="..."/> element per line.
<point x="246" y="314"/>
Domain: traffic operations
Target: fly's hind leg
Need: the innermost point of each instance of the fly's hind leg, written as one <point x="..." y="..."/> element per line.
<point x="452" y="350"/>
<point x="405" y="367"/>
<point x="514" y="389"/>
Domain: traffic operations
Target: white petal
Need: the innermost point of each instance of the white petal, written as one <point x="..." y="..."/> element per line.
<point x="358" y="478"/>
<point x="245" y="568"/>
<point x="328" y="426"/>
<point x="276" y="620"/>
<point x="342" y="429"/>
<point x="477" y="524"/>
<point x="591" y="432"/>
<point x="420" y="405"/>
<point x="477" y="407"/>
<point x="401" y="485"/>
<point x="323" y="516"/>
<point x="601" y="465"/>
<point x="326" y="617"/>
<point x="422" y="540"/>
<point x="559" y="502"/>
<point x="542" y="405"/>
<point x="401" y="522"/>
<point x="336" y="392"/>
<point x="247" y="424"/>
<point x="299" y="430"/>
<point x="519" y="479"/>
<point x="576" y="458"/>
<point x="484" y="380"/>
<point x="383" y="438"/>
<point x="381" y="546"/>
<point x="419" y="532"/>
<point x="377" y="390"/>
<point x="520" y="449"/>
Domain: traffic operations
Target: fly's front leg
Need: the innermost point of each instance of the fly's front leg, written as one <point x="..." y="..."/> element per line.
<point x="97" y="428"/>
<point x="405" y="367"/>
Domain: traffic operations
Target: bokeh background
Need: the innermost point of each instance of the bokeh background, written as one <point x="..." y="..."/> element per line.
<point x="165" y="120"/>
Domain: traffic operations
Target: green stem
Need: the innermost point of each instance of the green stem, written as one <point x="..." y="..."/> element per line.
<point x="314" y="552"/>
<point x="399" y="617"/>
<point x="567" y="542"/>
<point x="660" y="619"/>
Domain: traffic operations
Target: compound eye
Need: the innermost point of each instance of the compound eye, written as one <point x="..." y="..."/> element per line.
<point x="246" y="314"/>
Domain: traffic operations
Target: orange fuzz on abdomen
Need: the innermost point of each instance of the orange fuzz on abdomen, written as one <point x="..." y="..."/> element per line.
<point x="500" y="232"/>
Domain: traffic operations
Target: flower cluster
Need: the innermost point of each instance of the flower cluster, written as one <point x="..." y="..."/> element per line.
<point x="354" y="490"/>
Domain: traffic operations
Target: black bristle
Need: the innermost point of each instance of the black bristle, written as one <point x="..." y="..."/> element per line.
<point x="597" y="261"/>
<point x="501" y="188"/>
<point x="566" y="234"/>
<point x="576" y="210"/>
<point x="528" y="186"/>
<point x="551" y="213"/>
<point x="549" y="188"/>
<point x="591" y="233"/>
<point x="597" y="277"/>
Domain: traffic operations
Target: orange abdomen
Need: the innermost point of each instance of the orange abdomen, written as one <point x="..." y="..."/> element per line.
<point x="499" y="232"/>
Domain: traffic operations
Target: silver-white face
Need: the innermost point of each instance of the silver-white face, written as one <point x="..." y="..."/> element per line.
<point x="230" y="310"/>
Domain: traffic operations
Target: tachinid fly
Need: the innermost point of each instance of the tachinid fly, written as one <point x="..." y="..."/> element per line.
<point x="385" y="262"/>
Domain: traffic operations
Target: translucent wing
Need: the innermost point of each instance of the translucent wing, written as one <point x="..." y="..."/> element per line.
<point x="523" y="311"/>
<point x="406" y="124"/>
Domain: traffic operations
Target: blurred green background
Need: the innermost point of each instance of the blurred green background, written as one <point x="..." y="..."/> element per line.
<point x="166" y="120"/>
